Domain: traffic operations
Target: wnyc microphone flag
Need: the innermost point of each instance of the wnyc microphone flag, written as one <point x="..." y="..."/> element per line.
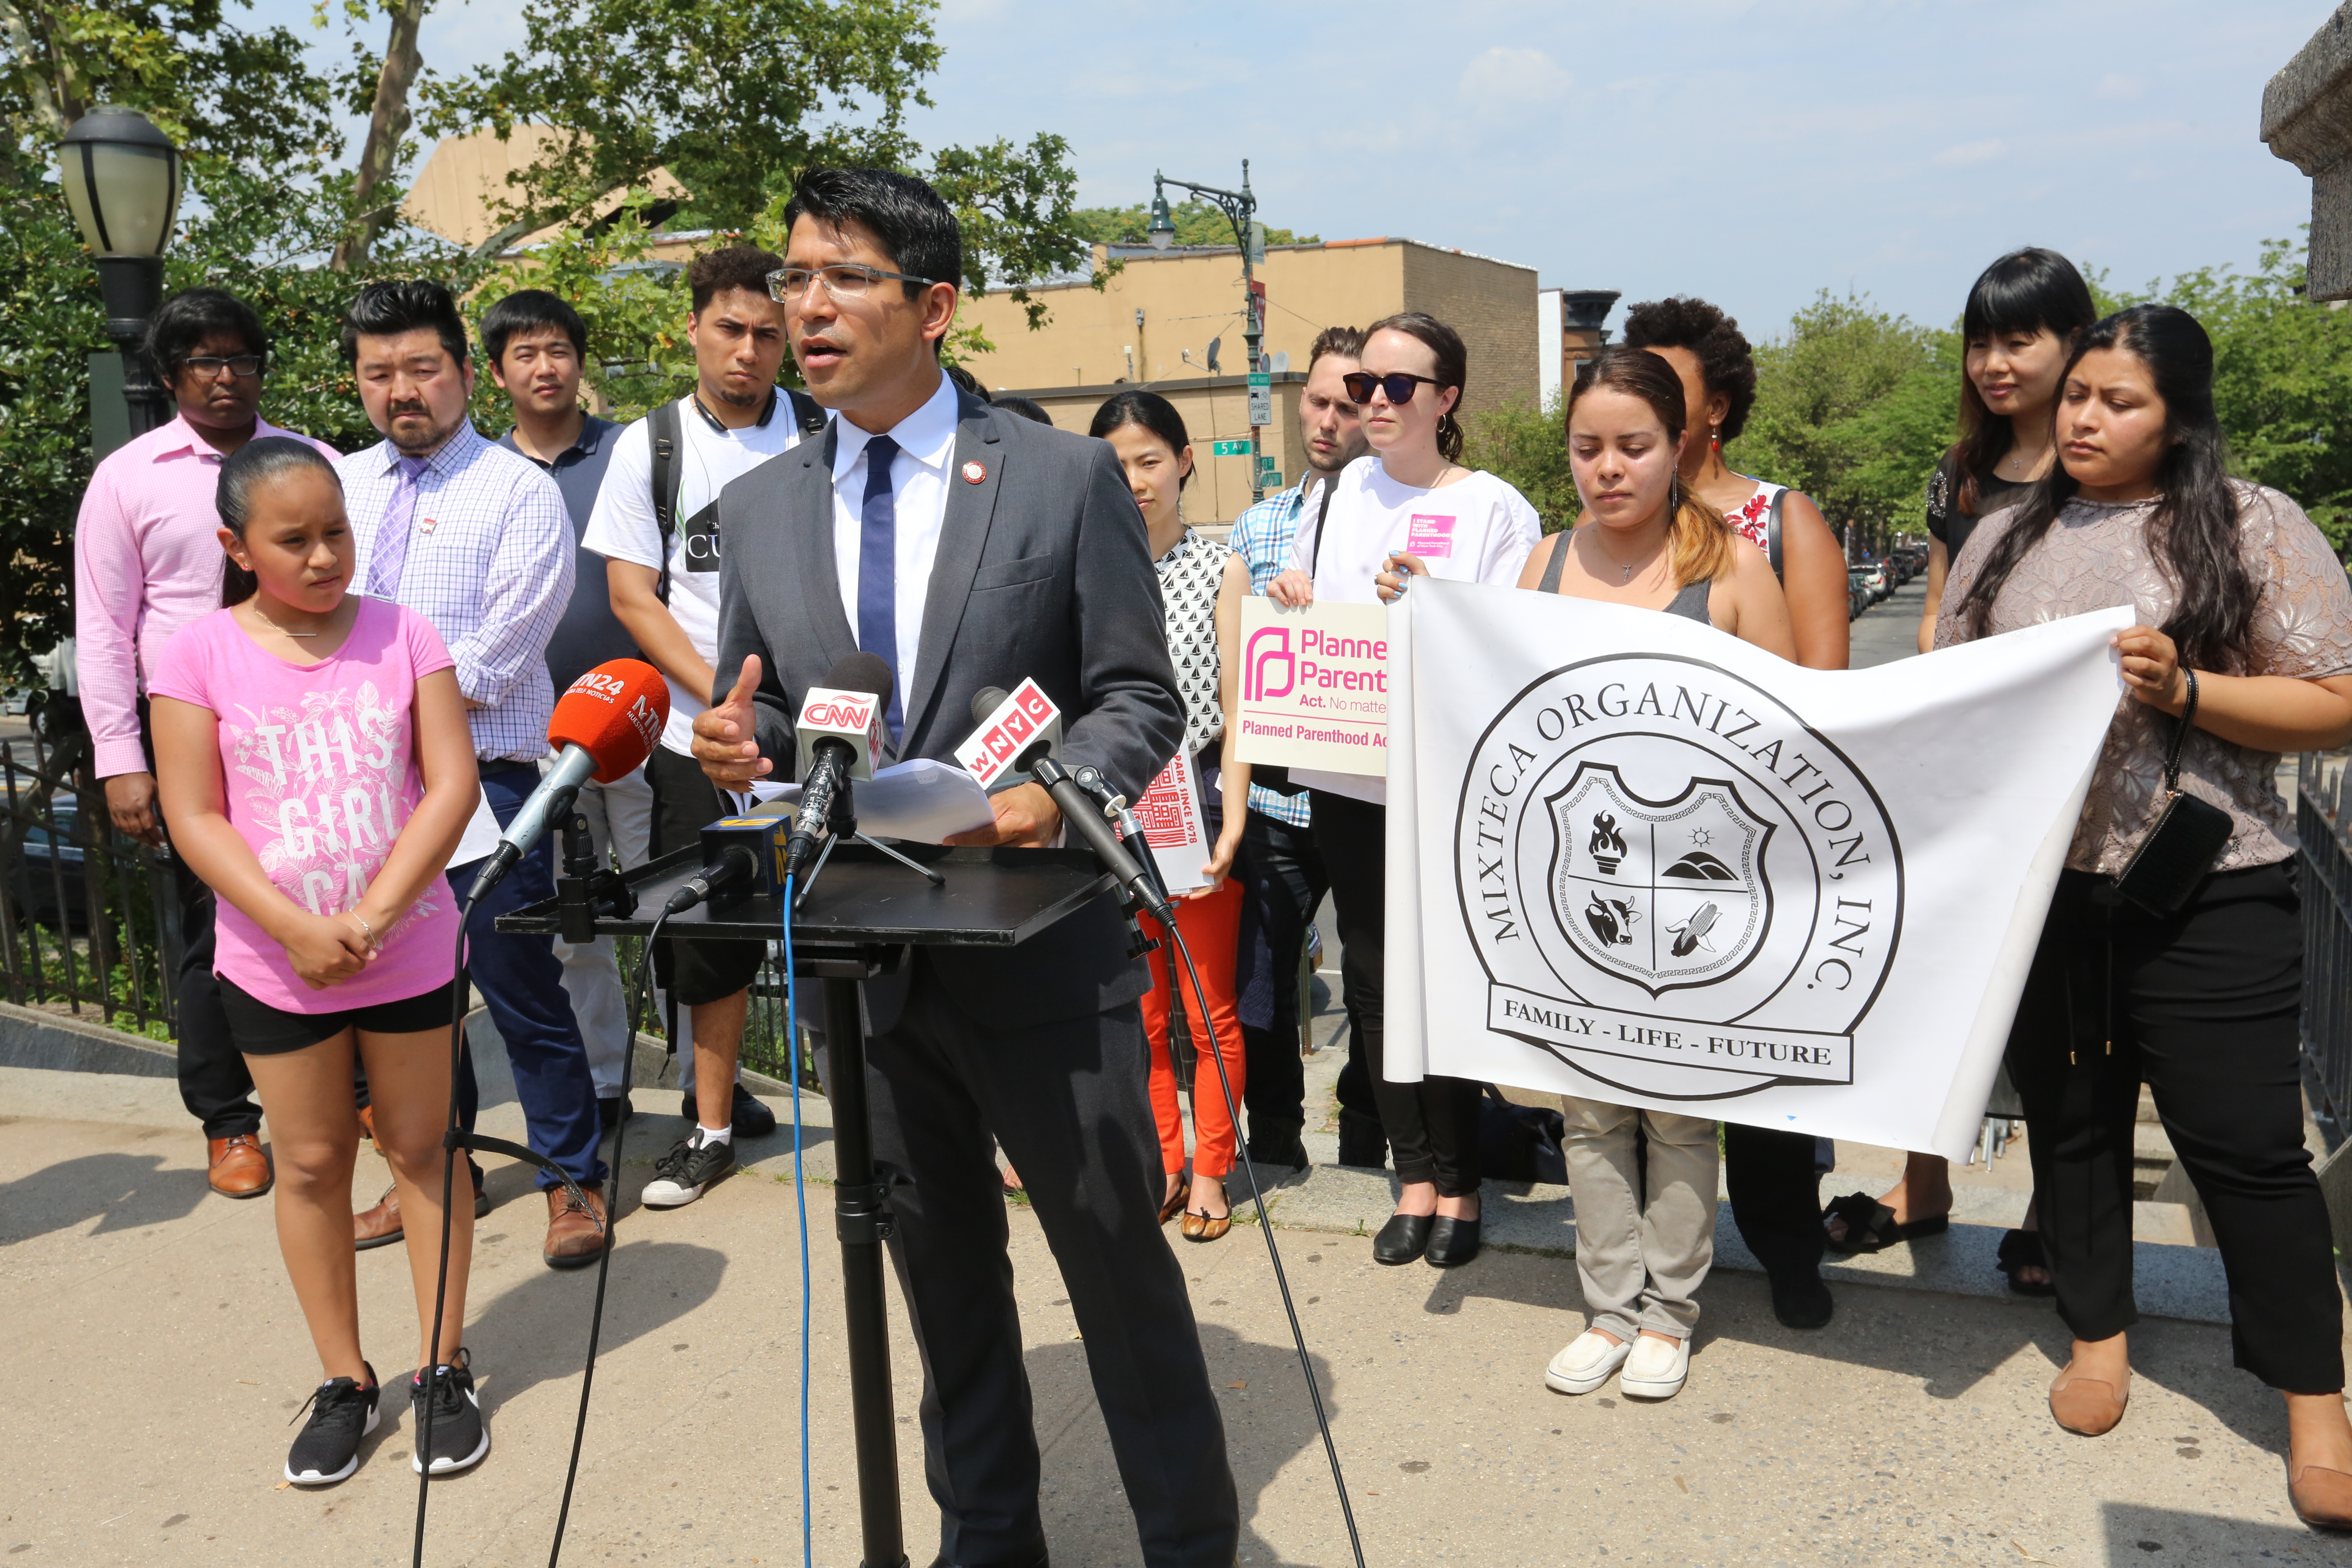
<point x="1634" y="860"/>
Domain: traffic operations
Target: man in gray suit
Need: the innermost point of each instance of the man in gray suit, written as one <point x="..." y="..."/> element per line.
<point x="968" y="548"/>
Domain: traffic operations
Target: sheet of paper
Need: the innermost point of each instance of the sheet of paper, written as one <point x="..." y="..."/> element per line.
<point x="922" y="801"/>
<point x="1169" y="812"/>
<point x="1315" y="685"/>
<point x="481" y="834"/>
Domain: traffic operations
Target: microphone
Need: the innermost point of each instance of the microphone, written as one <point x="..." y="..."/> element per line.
<point x="1116" y="809"/>
<point x="1007" y="725"/>
<point x="840" y="732"/>
<point x="734" y="865"/>
<point x="1079" y="810"/>
<point x="606" y="724"/>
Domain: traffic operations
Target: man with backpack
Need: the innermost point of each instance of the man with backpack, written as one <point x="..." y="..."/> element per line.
<point x="656" y="523"/>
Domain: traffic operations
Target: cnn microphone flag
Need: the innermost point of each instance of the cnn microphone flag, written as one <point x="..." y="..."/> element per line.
<point x="1634" y="860"/>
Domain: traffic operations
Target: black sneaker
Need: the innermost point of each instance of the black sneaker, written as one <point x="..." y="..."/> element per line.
<point x="746" y="1116"/>
<point x="460" y="1439"/>
<point x="685" y="1173"/>
<point x="341" y="1413"/>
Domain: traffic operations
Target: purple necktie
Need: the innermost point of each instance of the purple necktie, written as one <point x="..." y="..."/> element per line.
<point x="392" y="539"/>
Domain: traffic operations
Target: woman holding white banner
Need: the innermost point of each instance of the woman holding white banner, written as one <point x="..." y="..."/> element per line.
<point x="2172" y="951"/>
<point x="1644" y="1227"/>
<point x="1409" y="508"/>
<point x="1202" y="585"/>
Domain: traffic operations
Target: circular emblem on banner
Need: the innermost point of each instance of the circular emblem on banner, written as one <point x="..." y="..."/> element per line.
<point x="1674" y="883"/>
<point x="973" y="473"/>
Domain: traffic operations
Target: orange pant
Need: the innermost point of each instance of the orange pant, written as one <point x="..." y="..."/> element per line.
<point x="1212" y="928"/>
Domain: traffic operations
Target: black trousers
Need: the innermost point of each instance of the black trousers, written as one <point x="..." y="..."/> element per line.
<point x="213" y="1084"/>
<point x="1433" y="1125"/>
<point x="2203" y="1008"/>
<point x="1070" y="1103"/>
<point x="1775" y="1196"/>
<point x="1286" y="885"/>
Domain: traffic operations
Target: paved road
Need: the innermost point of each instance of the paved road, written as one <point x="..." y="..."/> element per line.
<point x="1889" y="631"/>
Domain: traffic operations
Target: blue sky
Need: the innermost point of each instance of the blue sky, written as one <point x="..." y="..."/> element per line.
<point x="1750" y="151"/>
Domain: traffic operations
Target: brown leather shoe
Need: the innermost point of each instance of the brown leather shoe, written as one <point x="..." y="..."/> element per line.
<point x="2322" y="1498"/>
<point x="2088" y="1406"/>
<point x="574" y="1238"/>
<point x="367" y="1126"/>
<point x="381" y="1227"/>
<point x="240" y="1168"/>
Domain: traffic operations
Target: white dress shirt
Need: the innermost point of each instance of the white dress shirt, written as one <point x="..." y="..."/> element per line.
<point x="918" y="488"/>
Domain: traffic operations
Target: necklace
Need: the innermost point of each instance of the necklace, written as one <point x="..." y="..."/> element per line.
<point x="283" y="631"/>
<point x="1625" y="568"/>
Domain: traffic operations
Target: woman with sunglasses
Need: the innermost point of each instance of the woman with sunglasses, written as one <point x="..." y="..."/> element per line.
<point x="1409" y="508"/>
<point x="2245" y="653"/>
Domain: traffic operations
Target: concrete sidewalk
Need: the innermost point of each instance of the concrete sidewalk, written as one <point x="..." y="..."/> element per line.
<point x="160" y="1355"/>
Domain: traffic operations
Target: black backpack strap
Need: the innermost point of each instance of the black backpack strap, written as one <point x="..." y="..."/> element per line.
<point x="662" y="429"/>
<point x="1314" y="551"/>
<point x="807" y="412"/>
<point x="1772" y="530"/>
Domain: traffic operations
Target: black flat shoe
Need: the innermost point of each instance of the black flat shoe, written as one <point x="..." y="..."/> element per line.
<point x="1403" y="1239"/>
<point x="1452" y="1242"/>
<point x="1801" y="1300"/>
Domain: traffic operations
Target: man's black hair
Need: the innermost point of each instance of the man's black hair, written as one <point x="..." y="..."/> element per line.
<point x="714" y="272"/>
<point x="531" y="310"/>
<point x="388" y="310"/>
<point x="189" y="317"/>
<point x="914" y="228"/>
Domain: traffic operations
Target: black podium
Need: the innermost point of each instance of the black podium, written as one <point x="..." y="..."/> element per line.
<point x="862" y="914"/>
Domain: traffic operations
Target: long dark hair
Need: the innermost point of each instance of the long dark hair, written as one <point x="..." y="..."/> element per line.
<point x="1151" y="411"/>
<point x="1699" y="542"/>
<point x="2193" y="530"/>
<point x="2028" y="291"/>
<point x="1444" y="346"/>
<point x="249" y="468"/>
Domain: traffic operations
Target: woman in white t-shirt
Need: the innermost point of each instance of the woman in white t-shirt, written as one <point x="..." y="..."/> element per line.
<point x="1411" y="507"/>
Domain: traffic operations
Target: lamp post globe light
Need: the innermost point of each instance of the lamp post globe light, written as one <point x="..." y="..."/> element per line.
<point x="121" y="180"/>
<point x="1240" y="208"/>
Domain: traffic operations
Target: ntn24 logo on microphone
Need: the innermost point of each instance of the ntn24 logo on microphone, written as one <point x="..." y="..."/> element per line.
<point x="1017" y="721"/>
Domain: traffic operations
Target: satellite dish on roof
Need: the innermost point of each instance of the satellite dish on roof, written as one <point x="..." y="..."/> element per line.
<point x="1214" y="344"/>
<point x="1281" y="362"/>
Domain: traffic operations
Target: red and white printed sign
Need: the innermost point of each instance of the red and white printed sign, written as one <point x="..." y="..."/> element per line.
<point x="1170" y="813"/>
<point x="1018" y="721"/>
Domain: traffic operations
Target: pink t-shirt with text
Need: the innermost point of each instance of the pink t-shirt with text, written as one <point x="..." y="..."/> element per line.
<point x="320" y="773"/>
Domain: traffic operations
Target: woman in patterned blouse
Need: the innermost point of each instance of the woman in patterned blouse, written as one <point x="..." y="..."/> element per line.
<point x="2248" y="630"/>
<point x="1202" y="585"/>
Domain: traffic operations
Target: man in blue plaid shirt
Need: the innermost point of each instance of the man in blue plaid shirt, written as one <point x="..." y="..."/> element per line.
<point x="1288" y="878"/>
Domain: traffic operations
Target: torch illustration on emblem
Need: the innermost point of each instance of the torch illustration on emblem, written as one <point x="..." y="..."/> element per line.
<point x="1606" y="845"/>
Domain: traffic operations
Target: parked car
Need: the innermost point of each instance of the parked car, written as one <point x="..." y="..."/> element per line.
<point x="44" y="883"/>
<point x="1875" y="575"/>
<point x="15" y="702"/>
<point x="1858" y="593"/>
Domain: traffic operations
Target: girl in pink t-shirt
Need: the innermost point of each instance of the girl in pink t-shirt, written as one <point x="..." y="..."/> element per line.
<point x="316" y="768"/>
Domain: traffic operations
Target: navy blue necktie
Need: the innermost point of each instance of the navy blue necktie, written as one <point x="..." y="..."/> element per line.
<point x="877" y="570"/>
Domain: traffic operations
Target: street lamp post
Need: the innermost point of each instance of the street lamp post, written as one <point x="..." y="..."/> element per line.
<point x="122" y="179"/>
<point x="1240" y="208"/>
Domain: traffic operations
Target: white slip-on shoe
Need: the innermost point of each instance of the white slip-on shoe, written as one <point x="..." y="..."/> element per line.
<point x="1589" y="1361"/>
<point x="1656" y="1369"/>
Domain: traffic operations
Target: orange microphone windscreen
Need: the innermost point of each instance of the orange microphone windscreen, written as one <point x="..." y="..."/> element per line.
<point x="614" y="713"/>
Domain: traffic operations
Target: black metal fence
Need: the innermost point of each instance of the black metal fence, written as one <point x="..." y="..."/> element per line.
<point x="2322" y="802"/>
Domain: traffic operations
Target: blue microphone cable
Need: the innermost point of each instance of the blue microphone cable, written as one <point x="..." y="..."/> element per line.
<point x="800" y="1200"/>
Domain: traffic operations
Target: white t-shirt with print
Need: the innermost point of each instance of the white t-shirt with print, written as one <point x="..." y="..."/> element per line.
<point x="1475" y="530"/>
<point x="624" y="528"/>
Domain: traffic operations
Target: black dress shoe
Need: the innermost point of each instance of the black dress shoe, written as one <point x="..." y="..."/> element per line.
<point x="1452" y="1242"/>
<point x="608" y="1109"/>
<point x="746" y="1116"/>
<point x="1283" y="1148"/>
<point x="1033" y="1557"/>
<point x="1801" y="1300"/>
<point x="1403" y="1239"/>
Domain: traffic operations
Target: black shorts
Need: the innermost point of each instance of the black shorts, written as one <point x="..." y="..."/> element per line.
<point x="685" y="803"/>
<point x="262" y="1030"/>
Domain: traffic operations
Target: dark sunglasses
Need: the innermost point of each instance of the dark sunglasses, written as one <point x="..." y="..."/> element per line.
<point x="1397" y="383"/>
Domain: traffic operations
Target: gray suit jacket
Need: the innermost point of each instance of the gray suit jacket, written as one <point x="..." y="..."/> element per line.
<point x="1042" y="573"/>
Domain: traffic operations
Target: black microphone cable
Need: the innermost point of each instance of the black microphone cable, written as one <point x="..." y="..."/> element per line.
<point x="1265" y="1228"/>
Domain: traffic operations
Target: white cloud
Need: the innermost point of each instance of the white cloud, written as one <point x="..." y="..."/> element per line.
<point x="2112" y="86"/>
<point x="1969" y="152"/>
<point x="1510" y="76"/>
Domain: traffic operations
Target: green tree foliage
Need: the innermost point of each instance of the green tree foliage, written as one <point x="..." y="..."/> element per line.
<point x="1527" y="449"/>
<point x="1198" y="223"/>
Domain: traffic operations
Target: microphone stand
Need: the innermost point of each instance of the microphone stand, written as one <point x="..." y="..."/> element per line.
<point x="841" y="823"/>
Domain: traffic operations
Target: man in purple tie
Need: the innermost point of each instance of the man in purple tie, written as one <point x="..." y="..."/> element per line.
<point x="476" y="539"/>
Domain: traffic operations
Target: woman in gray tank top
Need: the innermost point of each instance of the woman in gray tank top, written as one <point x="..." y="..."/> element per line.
<point x="1644" y="1228"/>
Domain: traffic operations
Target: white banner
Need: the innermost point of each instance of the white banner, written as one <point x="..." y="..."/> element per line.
<point x="1634" y="860"/>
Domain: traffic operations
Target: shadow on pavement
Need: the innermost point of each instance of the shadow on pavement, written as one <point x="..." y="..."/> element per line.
<point x="536" y="1331"/>
<point x="2140" y="1536"/>
<point x="122" y="1191"/>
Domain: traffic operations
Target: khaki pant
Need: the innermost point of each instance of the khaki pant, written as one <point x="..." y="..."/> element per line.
<point x="1642" y="1248"/>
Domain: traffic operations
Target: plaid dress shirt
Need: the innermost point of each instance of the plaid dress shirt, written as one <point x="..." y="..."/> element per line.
<point x="1262" y="537"/>
<point x="490" y="565"/>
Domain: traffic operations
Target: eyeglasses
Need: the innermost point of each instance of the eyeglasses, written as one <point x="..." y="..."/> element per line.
<point x="212" y="368"/>
<point x="1397" y="383"/>
<point x="842" y="280"/>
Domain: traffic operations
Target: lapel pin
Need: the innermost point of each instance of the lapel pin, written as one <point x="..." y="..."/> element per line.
<point x="973" y="473"/>
<point x="426" y="527"/>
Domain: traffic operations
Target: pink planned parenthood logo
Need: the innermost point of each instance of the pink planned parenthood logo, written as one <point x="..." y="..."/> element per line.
<point x="1674" y="883"/>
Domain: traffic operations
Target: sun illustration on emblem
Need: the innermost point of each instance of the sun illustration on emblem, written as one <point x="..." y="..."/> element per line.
<point x="1700" y="837"/>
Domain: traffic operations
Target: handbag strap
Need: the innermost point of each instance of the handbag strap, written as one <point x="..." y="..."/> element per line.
<point x="2179" y="734"/>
